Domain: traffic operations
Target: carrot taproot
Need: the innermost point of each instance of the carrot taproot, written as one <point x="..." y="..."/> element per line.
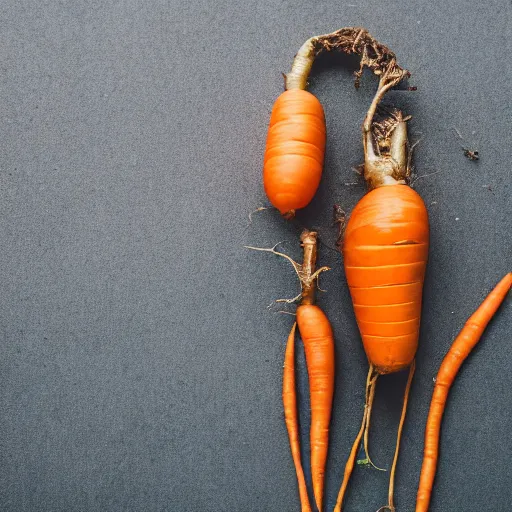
<point x="295" y="147"/>
<point x="318" y="340"/>
<point x="464" y="343"/>
<point x="290" y="417"/>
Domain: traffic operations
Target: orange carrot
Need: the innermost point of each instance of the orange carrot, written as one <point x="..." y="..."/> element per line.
<point x="294" y="153"/>
<point x="316" y="333"/>
<point x="385" y="256"/>
<point x="385" y="249"/>
<point x="464" y="343"/>
<point x="317" y="336"/>
<point x="290" y="417"/>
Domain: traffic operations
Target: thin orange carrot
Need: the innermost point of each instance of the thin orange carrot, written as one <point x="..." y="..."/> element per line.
<point x="318" y="339"/>
<point x="290" y="416"/>
<point x="468" y="337"/>
<point x="316" y="333"/>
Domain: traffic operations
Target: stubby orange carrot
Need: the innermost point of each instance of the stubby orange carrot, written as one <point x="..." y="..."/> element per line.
<point x="464" y="343"/>
<point x="317" y="337"/>
<point x="294" y="154"/>
<point x="385" y="254"/>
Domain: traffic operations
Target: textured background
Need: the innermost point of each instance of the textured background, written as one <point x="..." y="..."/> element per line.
<point x="139" y="366"/>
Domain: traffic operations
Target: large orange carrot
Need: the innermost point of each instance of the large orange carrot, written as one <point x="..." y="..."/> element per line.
<point x="385" y="255"/>
<point x="459" y="351"/>
<point x="290" y="417"/>
<point x="316" y="333"/>
<point x="318" y="340"/>
<point x="385" y="249"/>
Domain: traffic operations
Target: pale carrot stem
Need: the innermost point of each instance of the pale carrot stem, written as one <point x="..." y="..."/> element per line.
<point x="297" y="78"/>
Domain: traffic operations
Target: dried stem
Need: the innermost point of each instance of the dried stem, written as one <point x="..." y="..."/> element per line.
<point x="309" y="276"/>
<point x="352" y="41"/>
<point x="309" y="245"/>
<point x="381" y="168"/>
<point x="387" y="163"/>
<point x="306" y="272"/>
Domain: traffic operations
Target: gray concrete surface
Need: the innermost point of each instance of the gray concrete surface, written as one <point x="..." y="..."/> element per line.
<point x="139" y="367"/>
